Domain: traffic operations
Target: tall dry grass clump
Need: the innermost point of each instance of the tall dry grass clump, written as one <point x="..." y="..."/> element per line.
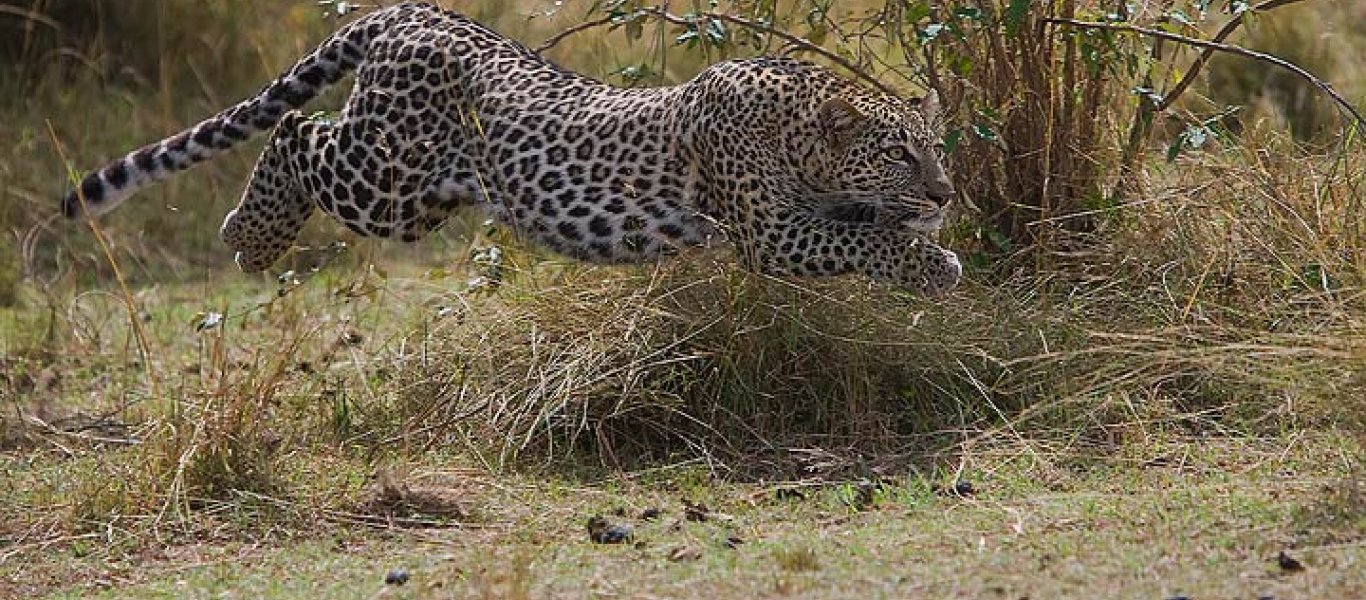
<point x="700" y="358"/>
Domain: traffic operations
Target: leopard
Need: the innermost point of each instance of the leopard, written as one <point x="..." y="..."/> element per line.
<point x="777" y="157"/>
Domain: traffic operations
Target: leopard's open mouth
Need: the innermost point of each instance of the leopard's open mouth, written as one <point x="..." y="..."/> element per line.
<point x="880" y="210"/>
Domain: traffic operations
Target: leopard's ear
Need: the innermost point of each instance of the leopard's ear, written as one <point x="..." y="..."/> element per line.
<point x="928" y="105"/>
<point x="841" y="122"/>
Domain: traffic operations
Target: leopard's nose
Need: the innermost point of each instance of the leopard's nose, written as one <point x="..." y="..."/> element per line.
<point x="940" y="192"/>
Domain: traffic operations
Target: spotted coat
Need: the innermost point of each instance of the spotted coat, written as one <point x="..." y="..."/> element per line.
<point x="766" y="153"/>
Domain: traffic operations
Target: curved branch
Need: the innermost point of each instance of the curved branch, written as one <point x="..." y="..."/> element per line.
<point x="32" y="16"/>
<point x="1228" y="28"/>
<point x="1323" y="86"/>
<point x="792" y="40"/>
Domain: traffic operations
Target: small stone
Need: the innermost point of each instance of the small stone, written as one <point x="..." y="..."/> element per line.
<point x="617" y="534"/>
<point x="602" y="532"/>
<point x="697" y="513"/>
<point x="396" y="577"/>
<point x="1288" y="563"/>
<point x="686" y="552"/>
<point x="650" y="514"/>
<point x="959" y="489"/>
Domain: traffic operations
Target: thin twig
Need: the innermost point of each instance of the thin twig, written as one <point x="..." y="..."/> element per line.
<point x="694" y="20"/>
<point x="1222" y="47"/>
<point x="17" y="549"/>
<point x="1175" y="92"/>
<point x="80" y="433"/>
<point x="559" y="37"/>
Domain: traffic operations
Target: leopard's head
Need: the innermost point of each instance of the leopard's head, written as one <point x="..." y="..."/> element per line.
<point x="886" y="154"/>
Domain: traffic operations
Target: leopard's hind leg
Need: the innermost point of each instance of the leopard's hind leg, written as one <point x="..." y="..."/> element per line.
<point x="370" y="170"/>
<point x="365" y="182"/>
<point x="379" y="177"/>
<point x="274" y="207"/>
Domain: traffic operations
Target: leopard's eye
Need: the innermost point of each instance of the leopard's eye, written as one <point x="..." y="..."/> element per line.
<point x="897" y="154"/>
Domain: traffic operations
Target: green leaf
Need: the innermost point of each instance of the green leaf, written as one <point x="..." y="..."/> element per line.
<point x="1174" y="148"/>
<point x="999" y="239"/>
<point x="930" y="32"/>
<point x="961" y="65"/>
<point x="716" y="33"/>
<point x="915" y="12"/>
<point x="1015" y="14"/>
<point x="971" y="13"/>
<point x="1149" y="93"/>
<point x="687" y="37"/>
<point x="985" y="132"/>
<point x="1196" y="136"/>
<point x="952" y="139"/>
<point x="634" y="74"/>
<point x="208" y="320"/>
<point x="979" y="261"/>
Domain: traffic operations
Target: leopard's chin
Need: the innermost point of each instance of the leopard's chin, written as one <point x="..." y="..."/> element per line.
<point x="924" y="223"/>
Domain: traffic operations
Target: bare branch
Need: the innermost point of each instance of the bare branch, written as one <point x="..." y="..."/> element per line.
<point x="790" y="39"/>
<point x="1324" y="86"/>
<point x="1223" y="33"/>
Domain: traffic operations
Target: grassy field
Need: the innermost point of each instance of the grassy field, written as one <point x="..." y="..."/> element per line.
<point x="1175" y="408"/>
<point x="1177" y="519"/>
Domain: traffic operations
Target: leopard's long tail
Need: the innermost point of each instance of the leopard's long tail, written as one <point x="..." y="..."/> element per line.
<point x="105" y="189"/>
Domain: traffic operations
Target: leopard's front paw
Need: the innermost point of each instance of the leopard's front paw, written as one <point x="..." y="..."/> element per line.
<point x="938" y="269"/>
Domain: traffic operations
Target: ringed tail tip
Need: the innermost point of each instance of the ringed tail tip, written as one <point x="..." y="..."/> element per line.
<point x="91" y="192"/>
<point x="100" y="191"/>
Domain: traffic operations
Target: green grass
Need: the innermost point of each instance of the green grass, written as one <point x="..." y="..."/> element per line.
<point x="1195" y="523"/>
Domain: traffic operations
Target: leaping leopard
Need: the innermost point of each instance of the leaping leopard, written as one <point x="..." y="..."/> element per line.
<point x="446" y="113"/>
